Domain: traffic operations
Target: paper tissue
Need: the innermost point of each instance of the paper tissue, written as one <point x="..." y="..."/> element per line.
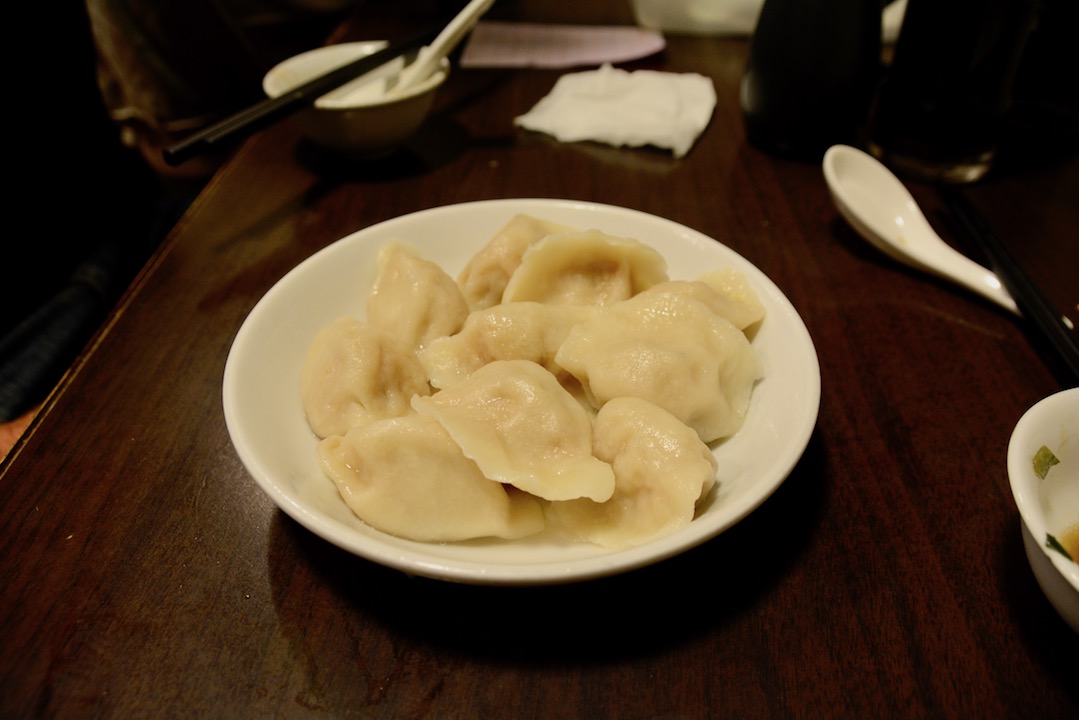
<point x="623" y="108"/>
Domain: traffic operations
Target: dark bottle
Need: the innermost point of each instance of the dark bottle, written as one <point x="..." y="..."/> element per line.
<point x="812" y="69"/>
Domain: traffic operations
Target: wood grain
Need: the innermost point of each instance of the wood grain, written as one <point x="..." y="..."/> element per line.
<point x="144" y="574"/>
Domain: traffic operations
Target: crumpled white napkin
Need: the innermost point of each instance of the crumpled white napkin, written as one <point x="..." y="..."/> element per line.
<point x="621" y="108"/>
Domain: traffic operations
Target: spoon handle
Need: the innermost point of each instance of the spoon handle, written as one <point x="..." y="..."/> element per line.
<point x="974" y="277"/>
<point x="1030" y="301"/>
<point x="443" y="44"/>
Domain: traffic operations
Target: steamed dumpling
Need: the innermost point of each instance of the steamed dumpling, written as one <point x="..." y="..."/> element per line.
<point x="524" y="429"/>
<point x="586" y="268"/>
<point x="414" y="298"/>
<point x="406" y="477"/>
<point x="737" y="301"/>
<point x="672" y="350"/>
<point x="511" y="331"/>
<point x="722" y="294"/>
<point x="662" y="470"/>
<point x="484" y="278"/>
<point x="560" y="380"/>
<point x="354" y="374"/>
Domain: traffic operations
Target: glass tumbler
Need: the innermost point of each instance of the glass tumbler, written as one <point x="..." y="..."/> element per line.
<point x="938" y="114"/>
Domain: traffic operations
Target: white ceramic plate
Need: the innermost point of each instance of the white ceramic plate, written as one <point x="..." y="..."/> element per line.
<point x="271" y="436"/>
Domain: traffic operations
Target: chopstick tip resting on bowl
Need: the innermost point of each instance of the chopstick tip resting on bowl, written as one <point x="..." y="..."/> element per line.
<point x="442" y="37"/>
<point x="268" y="111"/>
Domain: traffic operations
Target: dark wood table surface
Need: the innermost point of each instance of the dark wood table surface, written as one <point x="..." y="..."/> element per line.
<point x="143" y="573"/>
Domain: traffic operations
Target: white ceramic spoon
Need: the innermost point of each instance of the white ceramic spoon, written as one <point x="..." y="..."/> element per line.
<point x="431" y="55"/>
<point x="880" y="208"/>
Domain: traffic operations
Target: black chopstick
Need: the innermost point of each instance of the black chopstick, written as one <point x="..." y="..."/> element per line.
<point x="1030" y="301"/>
<point x="270" y="110"/>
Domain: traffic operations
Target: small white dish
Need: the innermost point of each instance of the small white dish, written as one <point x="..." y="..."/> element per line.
<point x="1049" y="505"/>
<point x="358" y="118"/>
<point x="270" y="433"/>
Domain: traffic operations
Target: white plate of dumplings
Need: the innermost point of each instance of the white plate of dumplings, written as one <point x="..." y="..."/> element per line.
<point x="265" y="416"/>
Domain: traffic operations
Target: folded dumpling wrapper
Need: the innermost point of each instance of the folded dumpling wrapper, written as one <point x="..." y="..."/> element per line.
<point x="662" y="470"/>
<point x="405" y="476"/>
<point x="668" y="347"/>
<point x="623" y="108"/>
<point x="356" y="373"/>
<point x="522" y="428"/>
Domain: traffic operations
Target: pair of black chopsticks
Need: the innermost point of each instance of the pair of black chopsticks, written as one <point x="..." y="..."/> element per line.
<point x="268" y="111"/>
<point x="1030" y="301"/>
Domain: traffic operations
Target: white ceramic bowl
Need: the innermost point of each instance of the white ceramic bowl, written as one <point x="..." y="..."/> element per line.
<point x="356" y="118"/>
<point x="266" y="422"/>
<point x="1049" y="506"/>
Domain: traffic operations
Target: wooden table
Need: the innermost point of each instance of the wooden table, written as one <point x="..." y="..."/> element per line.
<point x="144" y="573"/>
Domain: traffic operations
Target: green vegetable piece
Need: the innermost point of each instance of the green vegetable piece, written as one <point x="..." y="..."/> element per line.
<point x="1043" y="460"/>
<point x="1053" y="544"/>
